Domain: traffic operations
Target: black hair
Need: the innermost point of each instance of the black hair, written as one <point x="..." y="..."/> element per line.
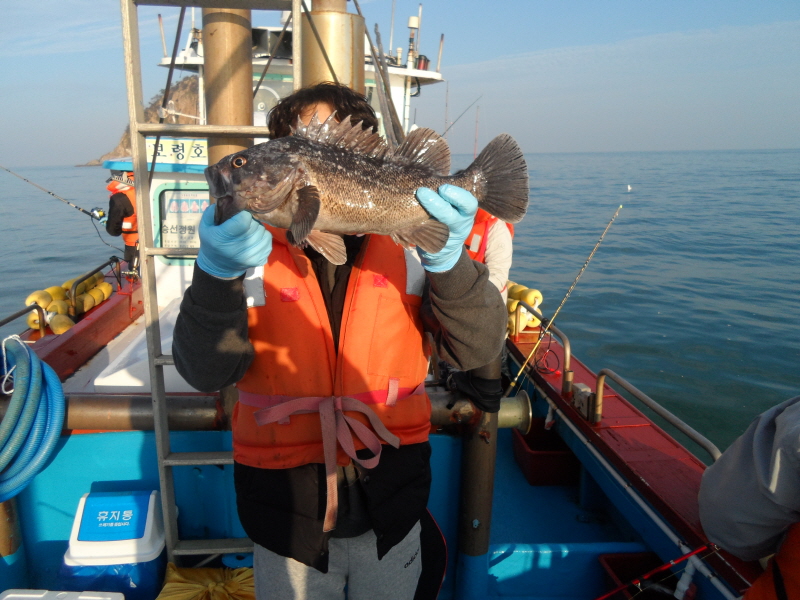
<point x="344" y="100"/>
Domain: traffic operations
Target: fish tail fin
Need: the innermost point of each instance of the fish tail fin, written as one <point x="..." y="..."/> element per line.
<point x="505" y="172"/>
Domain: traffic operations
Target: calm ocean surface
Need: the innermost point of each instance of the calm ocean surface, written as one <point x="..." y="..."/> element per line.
<point x="694" y="295"/>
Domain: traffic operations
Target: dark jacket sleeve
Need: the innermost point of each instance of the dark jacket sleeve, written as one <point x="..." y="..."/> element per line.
<point x="210" y="344"/>
<point x="119" y="207"/>
<point x="466" y="314"/>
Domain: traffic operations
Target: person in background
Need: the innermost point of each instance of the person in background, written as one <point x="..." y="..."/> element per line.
<point x="360" y="520"/>
<point x="489" y="242"/>
<point x="121" y="216"/>
<point x="750" y="500"/>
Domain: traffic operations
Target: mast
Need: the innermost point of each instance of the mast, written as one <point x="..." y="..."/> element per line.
<point x="341" y="35"/>
<point x="228" y="76"/>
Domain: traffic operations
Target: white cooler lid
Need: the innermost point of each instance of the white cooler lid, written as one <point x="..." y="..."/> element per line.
<point x="114" y="528"/>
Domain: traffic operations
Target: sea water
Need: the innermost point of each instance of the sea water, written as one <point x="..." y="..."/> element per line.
<point x="693" y="296"/>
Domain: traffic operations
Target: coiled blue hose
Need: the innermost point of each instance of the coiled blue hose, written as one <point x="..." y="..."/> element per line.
<point x="34" y="419"/>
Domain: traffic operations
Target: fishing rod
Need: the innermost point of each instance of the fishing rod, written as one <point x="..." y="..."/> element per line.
<point x="566" y="296"/>
<point x="95" y="213"/>
<point x="637" y="583"/>
<point x="462" y="114"/>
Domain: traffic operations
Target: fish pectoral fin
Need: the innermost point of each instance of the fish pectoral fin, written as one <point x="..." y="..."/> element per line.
<point x="306" y="214"/>
<point x="330" y="245"/>
<point x="431" y="236"/>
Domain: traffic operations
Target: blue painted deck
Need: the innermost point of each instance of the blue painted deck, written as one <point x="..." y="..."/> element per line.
<point x="545" y="539"/>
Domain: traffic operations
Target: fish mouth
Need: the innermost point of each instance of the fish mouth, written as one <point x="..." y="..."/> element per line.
<point x="221" y="188"/>
<point x="219" y="185"/>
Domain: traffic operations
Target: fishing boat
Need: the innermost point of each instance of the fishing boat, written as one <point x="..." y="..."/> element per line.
<point x="570" y="491"/>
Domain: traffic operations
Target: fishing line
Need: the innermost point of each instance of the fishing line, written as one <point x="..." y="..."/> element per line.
<point x="566" y="297"/>
<point x="637" y="583"/>
<point x="105" y="242"/>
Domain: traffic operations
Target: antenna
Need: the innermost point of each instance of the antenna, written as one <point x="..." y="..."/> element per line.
<point x="477" y="118"/>
<point x="446" y="107"/>
<point x="391" y="28"/>
<point x="419" y="27"/>
<point x="163" y="39"/>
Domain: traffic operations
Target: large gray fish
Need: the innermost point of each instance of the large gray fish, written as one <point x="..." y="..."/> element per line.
<point x="331" y="179"/>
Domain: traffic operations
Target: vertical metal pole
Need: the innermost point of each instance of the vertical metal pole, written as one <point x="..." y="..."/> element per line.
<point x="227" y="46"/>
<point x="475" y="517"/>
<point x="297" y="44"/>
<point x="130" y="33"/>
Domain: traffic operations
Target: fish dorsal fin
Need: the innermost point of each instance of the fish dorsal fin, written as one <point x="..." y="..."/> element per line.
<point x="315" y="130"/>
<point x="427" y="148"/>
<point x="346" y="135"/>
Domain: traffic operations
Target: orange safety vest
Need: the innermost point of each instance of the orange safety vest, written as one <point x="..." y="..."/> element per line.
<point x="130" y="225"/>
<point x="781" y="579"/>
<point x="477" y="239"/>
<point x="382" y="358"/>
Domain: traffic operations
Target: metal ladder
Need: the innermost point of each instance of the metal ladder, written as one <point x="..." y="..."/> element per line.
<point x="167" y="459"/>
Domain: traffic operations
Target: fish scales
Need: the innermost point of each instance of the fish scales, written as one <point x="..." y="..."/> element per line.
<point x="361" y="194"/>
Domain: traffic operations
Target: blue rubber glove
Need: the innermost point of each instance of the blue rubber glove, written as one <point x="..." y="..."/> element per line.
<point x="456" y="208"/>
<point x="228" y="250"/>
<point x="103" y="221"/>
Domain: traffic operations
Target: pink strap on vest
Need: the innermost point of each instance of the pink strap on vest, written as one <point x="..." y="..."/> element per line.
<point x="389" y="396"/>
<point x="336" y="426"/>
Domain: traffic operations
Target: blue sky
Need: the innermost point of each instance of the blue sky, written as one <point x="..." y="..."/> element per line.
<point x="568" y="76"/>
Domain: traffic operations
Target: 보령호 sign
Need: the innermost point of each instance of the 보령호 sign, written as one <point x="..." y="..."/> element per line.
<point x="184" y="151"/>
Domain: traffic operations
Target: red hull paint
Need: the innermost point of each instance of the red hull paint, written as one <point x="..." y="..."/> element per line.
<point x="658" y="467"/>
<point x="67" y="352"/>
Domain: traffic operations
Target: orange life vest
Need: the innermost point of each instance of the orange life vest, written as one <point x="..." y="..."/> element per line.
<point x="787" y="583"/>
<point x="130" y="225"/>
<point x="382" y="359"/>
<point x="477" y="239"/>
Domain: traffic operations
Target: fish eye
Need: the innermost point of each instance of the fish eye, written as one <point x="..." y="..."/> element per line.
<point x="238" y="162"/>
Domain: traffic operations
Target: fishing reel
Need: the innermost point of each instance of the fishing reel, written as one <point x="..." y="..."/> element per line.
<point x="99" y="214"/>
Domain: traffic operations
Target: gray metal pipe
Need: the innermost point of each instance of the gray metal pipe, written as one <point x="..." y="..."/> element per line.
<point x="477" y="486"/>
<point x="119" y="412"/>
<point x="125" y="412"/>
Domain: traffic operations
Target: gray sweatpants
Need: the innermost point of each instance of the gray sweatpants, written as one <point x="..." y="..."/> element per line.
<point x="353" y="562"/>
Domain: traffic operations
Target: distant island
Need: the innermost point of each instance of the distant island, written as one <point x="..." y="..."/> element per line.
<point x="183" y="98"/>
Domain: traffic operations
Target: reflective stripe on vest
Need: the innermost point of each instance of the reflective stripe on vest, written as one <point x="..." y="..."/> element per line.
<point x="130" y="225"/>
<point x="381" y="345"/>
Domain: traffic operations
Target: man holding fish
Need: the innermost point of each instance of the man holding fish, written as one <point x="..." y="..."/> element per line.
<point x="353" y="258"/>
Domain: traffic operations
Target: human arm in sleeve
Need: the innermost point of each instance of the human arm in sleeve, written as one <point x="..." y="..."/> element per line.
<point x="119" y="207"/>
<point x="210" y="344"/>
<point x="751" y="495"/>
<point x="465" y="314"/>
<point x="461" y="308"/>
